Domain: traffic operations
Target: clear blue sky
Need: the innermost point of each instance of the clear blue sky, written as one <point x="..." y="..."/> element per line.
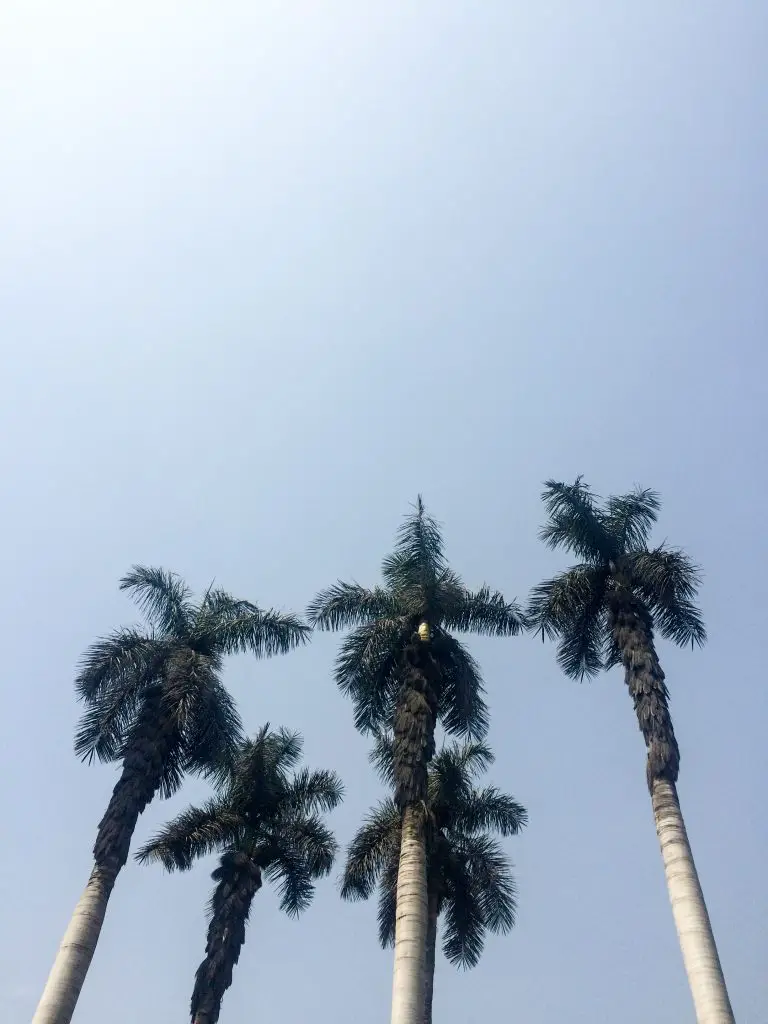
<point x="269" y="269"/>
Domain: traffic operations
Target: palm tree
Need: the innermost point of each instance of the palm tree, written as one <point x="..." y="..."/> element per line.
<point x="267" y="823"/>
<point x="404" y="670"/>
<point x="604" y="612"/>
<point x="155" y="703"/>
<point x="469" y="879"/>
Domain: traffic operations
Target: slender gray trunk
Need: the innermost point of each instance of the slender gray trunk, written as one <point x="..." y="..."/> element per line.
<point x="632" y="630"/>
<point x="62" y="990"/>
<point x="429" y="966"/>
<point x="694" y="930"/>
<point x="410" y="924"/>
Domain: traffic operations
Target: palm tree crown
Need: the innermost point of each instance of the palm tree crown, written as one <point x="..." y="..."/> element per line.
<point x="266" y="822"/>
<point x="468" y="874"/>
<point x="154" y="696"/>
<point x="603" y="611"/>
<point x="385" y="655"/>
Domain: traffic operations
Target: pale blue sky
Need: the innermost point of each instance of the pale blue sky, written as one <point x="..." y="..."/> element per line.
<point x="269" y="269"/>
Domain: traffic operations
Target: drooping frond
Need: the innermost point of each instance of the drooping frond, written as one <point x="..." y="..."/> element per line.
<point x="348" y="604"/>
<point x="162" y="596"/>
<point x="121" y="658"/>
<point x="262" y="633"/>
<point x="570" y="607"/>
<point x="483" y="611"/>
<point x="306" y="852"/>
<point x="375" y="844"/>
<point x="464" y="929"/>
<point x="194" y="833"/>
<point x="492" y="880"/>
<point x="575" y="522"/>
<point x="462" y="708"/>
<point x="212" y="728"/>
<point x="367" y="671"/>
<point x="107" y="720"/>
<point x="630" y="517"/>
<point x="387" y="910"/>
<point x="489" y="809"/>
<point x="668" y="581"/>
<point x="382" y="757"/>
<point x="311" y="791"/>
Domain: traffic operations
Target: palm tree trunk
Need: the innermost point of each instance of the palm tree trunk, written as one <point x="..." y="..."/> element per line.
<point x="61" y="992"/>
<point x="633" y="633"/>
<point x="139" y="781"/>
<point x="429" y="966"/>
<point x="239" y="879"/>
<point x="410" y="923"/>
<point x="697" y="942"/>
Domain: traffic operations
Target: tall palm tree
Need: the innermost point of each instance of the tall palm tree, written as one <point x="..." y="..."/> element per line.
<point x="405" y="670"/>
<point x="604" y="612"/>
<point x="469" y="879"/>
<point x="154" y="703"/>
<point x="266" y="821"/>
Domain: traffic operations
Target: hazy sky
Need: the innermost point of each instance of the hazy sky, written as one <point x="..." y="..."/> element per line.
<point x="268" y="270"/>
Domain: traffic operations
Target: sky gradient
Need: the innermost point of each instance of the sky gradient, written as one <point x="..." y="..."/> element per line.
<point x="267" y="271"/>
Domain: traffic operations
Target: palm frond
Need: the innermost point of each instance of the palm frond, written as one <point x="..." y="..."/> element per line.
<point x="492" y="880"/>
<point x="490" y="809"/>
<point x="570" y="607"/>
<point x="484" y="611"/>
<point x="162" y="596"/>
<point x="575" y="523"/>
<point x="119" y="659"/>
<point x="376" y="844"/>
<point x="382" y="757"/>
<point x="108" y="718"/>
<point x="212" y="729"/>
<point x="312" y="791"/>
<point x="464" y="927"/>
<point x="461" y="705"/>
<point x="418" y="558"/>
<point x="366" y="671"/>
<point x="387" y="910"/>
<point x="668" y="581"/>
<point x="630" y="517"/>
<point x="194" y="833"/>
<point x="262" y="633"/>
<point x="349" y="604"/>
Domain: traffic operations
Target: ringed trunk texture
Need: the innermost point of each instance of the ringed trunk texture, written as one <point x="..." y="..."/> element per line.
<point x="61" y="992"/>
<point x="429" y="965"/>
<point x="632" y="631"/>
<point x="139" y="780"/>
<point x="239" y="879"/>
<point x="694" y="930"/>
<point x="410" y="923"/>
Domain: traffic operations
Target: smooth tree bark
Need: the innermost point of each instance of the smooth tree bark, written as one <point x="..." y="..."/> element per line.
<point x="433" y="910"/>
<point x="414" y="732"/>
<point x="239" y="879"/>
<point x="139" y="780"/>
<point x="632" y="631"/>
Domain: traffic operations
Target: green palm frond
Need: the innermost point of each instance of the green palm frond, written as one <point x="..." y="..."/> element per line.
<point x="492" y="879"/>
<point x="464" y="922"/>
<point x="262" y="633"/>
<point x="418" y="559"/>
<point x="489" y="809"/>
<point x="375" y="844"/>
<point x="212" y="728"/>
<point x="119" y="659"/>
<point x="668" y="581"/>
<point x="571" y="608"/>
<point x="312" y="791"/>
<point x="485" y="612"/>
<point x="106" y="721"/>
<point x="630" y="517"/>
<point x="574" y="521"/>
<point x="462" y="708"/>
<point x="367" y="671"/>
<point x="387" y="910"/>
<point x="162" y="596"/>
<point x="348" y="604"/>
<point x="192" y="834"/>
<point x="382" y="757"/>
